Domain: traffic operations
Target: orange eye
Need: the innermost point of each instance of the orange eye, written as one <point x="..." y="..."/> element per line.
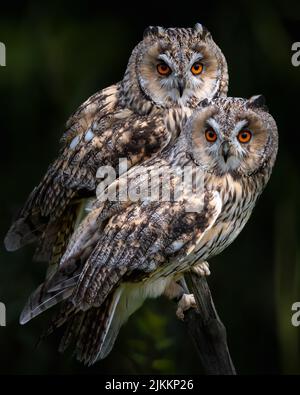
<point x="211" y="135"/>
<point x="197" y="68"/>
<point x="244" y="136"/>
<point x="163" y="69"/>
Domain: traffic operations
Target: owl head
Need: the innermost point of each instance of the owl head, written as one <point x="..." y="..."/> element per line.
<point x="175" y="66"/>
<point x="233" y="135"/>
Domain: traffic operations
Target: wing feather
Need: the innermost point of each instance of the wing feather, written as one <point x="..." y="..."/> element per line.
<point x="73" y="170"/>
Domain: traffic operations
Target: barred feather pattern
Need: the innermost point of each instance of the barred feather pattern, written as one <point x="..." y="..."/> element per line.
<point x="137" y="248"/>
<point x="131" y="119"/>
<point x="124" y="252"/>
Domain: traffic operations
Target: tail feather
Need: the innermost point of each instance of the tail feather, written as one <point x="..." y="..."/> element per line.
<point x="57" y="288"/>
<point x="111" y="337"/>
<point x="92" y="332"/>
<point x="125" y="307"/>
<point x="24" y="231"/>
<point x="41" y="301"/>
<point x="72" y="330"/>
<point x="66" y="314"/>
<point x="63" y="284"/>
<point x="93" y="335"/>
<point x="88" y="330"/>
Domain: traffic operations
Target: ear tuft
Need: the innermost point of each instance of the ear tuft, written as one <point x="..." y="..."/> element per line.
<point x="153" y="31"/>
<point x="257" y="101"/>
<point x="200" y="29"/>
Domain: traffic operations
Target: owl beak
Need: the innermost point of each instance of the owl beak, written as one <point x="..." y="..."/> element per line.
<point x="225" y="151"/>
<point x="181" y="86"/>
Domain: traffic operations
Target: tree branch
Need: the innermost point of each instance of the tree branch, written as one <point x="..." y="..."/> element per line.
<point x="207" y="330"/>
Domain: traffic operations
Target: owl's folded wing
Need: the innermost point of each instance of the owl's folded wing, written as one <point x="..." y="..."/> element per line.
<point x="53" y="204"/>
<point x="72" y="170"/>
<point x="136" y="243"/>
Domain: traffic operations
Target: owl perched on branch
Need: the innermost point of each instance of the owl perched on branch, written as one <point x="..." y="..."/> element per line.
<point x="169" y="69"/>
<point x="126" y="251"/>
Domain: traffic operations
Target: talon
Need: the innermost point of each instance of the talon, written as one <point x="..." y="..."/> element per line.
<point x="186" y="302"/>
<point x="201" y="269"/>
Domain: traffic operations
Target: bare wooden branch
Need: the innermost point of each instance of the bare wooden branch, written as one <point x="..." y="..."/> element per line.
<point x="207" y="330"/>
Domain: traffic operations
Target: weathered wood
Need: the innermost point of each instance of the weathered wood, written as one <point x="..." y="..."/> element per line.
<point x="207" y="330"/>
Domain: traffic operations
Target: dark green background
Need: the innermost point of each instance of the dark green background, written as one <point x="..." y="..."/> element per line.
<point x="57" y="56"/>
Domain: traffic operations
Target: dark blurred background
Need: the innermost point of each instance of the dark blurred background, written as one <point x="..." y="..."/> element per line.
<point x="58" y="54"/>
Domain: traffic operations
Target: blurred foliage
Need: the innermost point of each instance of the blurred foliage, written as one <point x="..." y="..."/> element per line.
<point x="58" y="54"/>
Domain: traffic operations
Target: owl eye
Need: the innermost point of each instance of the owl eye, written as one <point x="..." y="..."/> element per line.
<point x="163" y="69"/>
<point x="244" y="136"/>
<point x="197" y="68"/>
<point x="211" y="135"/>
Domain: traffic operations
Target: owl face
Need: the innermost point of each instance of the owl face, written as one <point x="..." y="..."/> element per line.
<point x="234" y="136"/>
<point x="180" y="66"/>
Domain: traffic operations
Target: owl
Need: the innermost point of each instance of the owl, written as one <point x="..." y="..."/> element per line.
<point x="125" y="251"/>
<point x="169" y="72"/>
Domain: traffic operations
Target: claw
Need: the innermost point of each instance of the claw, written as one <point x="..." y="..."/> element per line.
<point x="186" y="302"/>
<point x="202" y="269"/>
